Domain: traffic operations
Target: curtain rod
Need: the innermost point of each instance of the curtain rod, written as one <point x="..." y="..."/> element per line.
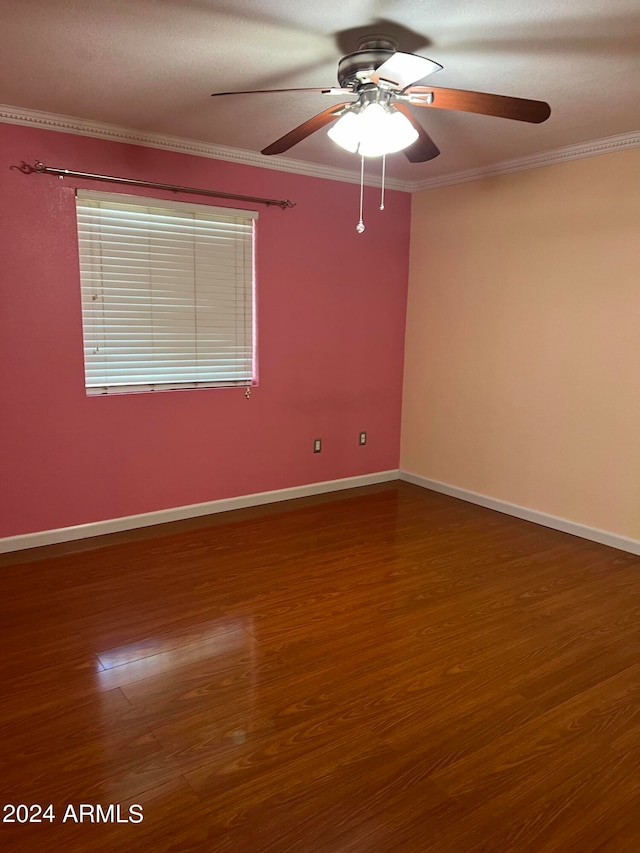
<point x="41" y="169"/>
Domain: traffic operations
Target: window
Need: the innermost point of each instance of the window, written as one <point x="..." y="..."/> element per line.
<point x="167" y="294"/>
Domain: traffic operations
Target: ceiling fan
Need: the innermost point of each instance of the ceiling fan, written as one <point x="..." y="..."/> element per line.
<point x="379" y="121"/>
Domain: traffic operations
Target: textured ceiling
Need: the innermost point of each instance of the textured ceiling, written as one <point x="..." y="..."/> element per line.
<point x="152" y="64"/>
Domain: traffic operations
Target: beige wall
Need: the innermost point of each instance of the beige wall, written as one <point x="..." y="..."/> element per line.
<point x="522" y="363"/>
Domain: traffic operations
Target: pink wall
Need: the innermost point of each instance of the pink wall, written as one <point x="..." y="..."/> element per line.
<point x="331" y="317"/>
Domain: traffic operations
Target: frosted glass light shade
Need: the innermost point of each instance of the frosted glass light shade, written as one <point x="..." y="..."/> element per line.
<point x="384" y="132"/>
<point x="374" y="131"/>
<point x="346" y="132"/>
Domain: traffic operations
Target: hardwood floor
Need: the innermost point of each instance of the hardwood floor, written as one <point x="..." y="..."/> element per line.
<point x="384" y="670"/>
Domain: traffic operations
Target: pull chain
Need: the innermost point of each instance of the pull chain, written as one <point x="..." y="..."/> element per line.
<point x="384" y="168"/>
<point x="360" y="225"/>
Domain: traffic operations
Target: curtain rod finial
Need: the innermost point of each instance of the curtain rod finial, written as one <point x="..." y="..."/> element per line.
<point x="26" y="169"/>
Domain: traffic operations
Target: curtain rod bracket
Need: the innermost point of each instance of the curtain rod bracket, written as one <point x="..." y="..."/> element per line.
<point x="40" y="168"/>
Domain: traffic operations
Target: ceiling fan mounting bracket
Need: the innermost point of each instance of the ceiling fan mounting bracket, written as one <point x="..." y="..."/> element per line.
<point x="375" y="41"/>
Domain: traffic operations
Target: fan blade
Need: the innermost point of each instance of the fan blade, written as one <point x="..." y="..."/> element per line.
<point x="502" y="106"/>
<point x="306" y="129"/>
<point x="329" y="91"/>
<point x="403" y="69"/>
<point x="424" y="148"/>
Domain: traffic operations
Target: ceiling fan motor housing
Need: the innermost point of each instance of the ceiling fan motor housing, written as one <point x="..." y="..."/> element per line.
<point x="355" y="68"/>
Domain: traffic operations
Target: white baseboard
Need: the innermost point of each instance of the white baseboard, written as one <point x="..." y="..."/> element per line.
<point x="593" y="533"/>
<point x="146" y="519"/>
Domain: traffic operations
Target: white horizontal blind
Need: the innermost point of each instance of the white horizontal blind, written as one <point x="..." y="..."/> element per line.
<point x="167" y="293"/>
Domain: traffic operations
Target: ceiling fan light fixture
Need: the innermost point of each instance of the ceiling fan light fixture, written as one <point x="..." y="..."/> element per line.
<point x="373" y="131"/>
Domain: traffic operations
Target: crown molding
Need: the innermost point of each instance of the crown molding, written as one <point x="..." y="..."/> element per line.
<point x="544" y="158"/>
<point x="116" y="133"/>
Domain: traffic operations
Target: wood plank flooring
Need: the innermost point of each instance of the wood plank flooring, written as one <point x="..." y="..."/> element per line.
<point x="387" y="669"/>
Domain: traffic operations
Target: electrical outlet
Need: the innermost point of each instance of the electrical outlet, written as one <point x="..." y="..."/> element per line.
<point x="317" y="445"/>
<point x="362" y="438"/>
